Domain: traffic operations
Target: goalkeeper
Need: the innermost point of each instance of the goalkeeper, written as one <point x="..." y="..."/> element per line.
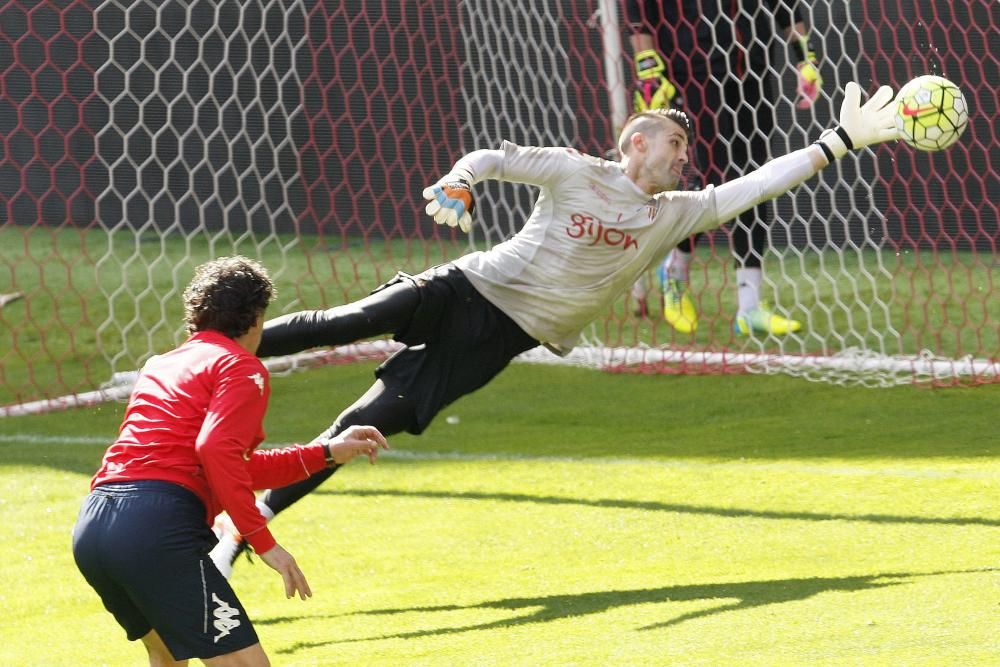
<point x="595" y="228"/>
<point x="712" y="60"/>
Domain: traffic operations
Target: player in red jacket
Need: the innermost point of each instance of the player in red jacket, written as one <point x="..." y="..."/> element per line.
<point x="186" y="451"/>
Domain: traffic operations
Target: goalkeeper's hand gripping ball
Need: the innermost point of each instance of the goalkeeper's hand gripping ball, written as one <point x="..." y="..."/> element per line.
<point x="653" y="89"/>
<point x="931" y="113"/>
<point x="451" y="203"/>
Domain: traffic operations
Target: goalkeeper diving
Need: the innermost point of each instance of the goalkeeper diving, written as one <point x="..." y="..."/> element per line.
<point x="596" y="226"/>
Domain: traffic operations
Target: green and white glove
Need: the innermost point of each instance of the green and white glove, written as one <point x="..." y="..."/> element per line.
<point x="861" y="124"/>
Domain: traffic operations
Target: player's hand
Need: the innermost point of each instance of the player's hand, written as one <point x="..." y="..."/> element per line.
<point x="653" y="89"/>
<point x="295" y="582"/>
<point x="862" y="124"/>
<point x="810" y="82"/>
<point x="451" y="203"/>
<point x="355" y="441"/>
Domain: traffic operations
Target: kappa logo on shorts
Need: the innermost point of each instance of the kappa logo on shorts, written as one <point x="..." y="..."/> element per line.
<point x="225" y="621"/>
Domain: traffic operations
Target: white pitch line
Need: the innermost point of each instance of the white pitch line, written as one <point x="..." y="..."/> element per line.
<point x="742" y="466"/>
<point x="42" y="439"/>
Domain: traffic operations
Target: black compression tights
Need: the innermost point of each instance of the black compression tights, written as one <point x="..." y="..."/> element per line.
<point x="387" y="310"/>
<point x="380" y="407"/>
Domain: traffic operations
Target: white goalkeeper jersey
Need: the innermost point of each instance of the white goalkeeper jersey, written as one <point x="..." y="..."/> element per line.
<point x="591" y="234"/>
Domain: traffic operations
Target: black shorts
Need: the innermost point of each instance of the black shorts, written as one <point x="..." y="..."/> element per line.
<point x="456" y="342"/>
<point x="143" y="546"/>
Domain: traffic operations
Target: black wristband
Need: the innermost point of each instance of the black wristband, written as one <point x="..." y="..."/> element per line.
<point x="826" y="151"/>
<point x="842" y="133"/>
<point x="330" y="463"/>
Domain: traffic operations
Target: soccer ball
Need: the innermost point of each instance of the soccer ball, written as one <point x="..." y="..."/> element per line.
<point x="931" y="113"/>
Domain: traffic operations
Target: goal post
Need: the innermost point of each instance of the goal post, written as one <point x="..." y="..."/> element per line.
<point x="140" y="138"/>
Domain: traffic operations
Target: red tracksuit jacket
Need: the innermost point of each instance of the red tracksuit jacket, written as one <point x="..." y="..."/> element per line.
<point x="195" y="419"/>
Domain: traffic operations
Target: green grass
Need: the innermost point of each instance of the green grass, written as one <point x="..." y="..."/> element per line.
<point x="68" y="334"/>
<point x="572" y="517"/>
<point x="97" y="304"/>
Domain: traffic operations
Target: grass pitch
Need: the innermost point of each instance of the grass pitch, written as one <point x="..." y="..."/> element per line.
<point x="572" y="517"/>
<point x="95" y="304"/>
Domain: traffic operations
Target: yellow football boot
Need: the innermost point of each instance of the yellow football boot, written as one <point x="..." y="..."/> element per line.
<point x="761" y="320"/>
<point x="678" y="308"/>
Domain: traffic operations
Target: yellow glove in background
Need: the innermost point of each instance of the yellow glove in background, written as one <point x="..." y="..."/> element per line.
<point x="653" y="90"/>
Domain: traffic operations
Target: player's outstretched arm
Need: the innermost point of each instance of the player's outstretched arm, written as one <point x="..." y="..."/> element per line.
<point x="860" y="125"/>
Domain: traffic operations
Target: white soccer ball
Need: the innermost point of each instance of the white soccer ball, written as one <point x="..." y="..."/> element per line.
<point x="931" y="113"/>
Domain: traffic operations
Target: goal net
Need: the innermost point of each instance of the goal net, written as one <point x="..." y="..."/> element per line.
<point x="140" y="138"/>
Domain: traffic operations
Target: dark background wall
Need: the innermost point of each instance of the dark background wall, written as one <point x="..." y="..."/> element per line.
<point x="330" y="118"/>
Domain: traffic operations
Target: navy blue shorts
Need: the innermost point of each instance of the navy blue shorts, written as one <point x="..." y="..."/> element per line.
<point x="456" y="342"/>
<point x="143" y="546"/>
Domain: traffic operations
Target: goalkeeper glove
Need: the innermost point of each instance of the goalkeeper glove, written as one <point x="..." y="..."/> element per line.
<point x="653" y="90"/>
<point x="810" y="81"/>
<point x="861" y="125"/>
<point x="451" y="203"/>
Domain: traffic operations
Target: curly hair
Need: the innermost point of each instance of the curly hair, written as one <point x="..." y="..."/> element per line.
<point x="227" y="295"/>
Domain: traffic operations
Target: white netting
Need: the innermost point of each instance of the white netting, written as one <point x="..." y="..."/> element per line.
<point x="884" y="298"/>
<point x="141" y="138"/>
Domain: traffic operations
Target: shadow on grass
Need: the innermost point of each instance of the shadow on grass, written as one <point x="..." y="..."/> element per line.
<point x="651" y="506"/>
<point x="732" y="596"/>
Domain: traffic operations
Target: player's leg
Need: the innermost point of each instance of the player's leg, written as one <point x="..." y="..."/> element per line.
<point x="98" y="515"/>
<point x="159" y="654"/>
<point x="702" y="99"/>
<point x="468" y="342"/>
<point x="679" y="310"/>
<point x="401" y="399"/>
<point x="750" y="146"/>
<point x="143" y="546"/>
<point x="749" y="151"/>
<point x="385" y="408"/>
<point x="251" y="656"/>
<point x="381" y="406"/>
<point x="640" y="297"/>
<point x="390" y="308"/>
<point x="386" y="310"/>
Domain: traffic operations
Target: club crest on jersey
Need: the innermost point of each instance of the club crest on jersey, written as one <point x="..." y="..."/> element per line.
<point x="594" y="231"/>
<point x="652" y="208"/>
<point x="258" y="380"/>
